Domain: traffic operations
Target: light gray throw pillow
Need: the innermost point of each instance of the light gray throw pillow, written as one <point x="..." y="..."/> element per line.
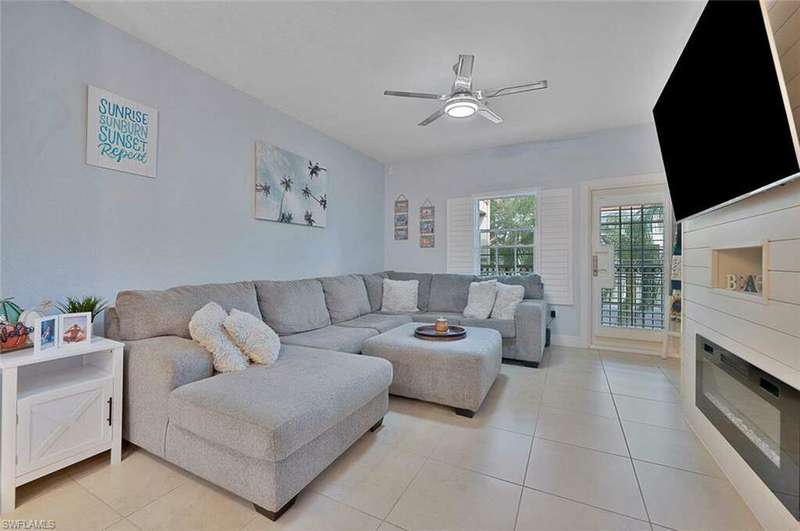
<point x="253" y="336"/>
<point x="481" y="299"/>
<point x="507" y="299"/>
<point x="206" y="328"/>
<point x="400" y="295"/>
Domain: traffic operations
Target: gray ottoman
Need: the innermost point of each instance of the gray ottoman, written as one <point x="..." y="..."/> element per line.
<point x="453" y="373"/>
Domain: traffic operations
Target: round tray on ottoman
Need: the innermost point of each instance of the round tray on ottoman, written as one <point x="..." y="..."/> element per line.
<point x="429" y="333"/>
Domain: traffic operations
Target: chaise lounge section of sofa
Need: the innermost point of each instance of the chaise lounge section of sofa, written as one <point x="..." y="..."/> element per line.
<point x="263" y="433"/>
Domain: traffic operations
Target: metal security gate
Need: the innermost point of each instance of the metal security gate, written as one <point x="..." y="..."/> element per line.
<point x="636" y="233"/>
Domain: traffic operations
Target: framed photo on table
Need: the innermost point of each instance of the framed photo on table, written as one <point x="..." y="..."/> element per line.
<point x="74" y="329"/>
<point x="46" y="333"/>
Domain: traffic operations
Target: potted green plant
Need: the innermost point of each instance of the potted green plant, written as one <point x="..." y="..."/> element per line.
<point x="92" y="304"/>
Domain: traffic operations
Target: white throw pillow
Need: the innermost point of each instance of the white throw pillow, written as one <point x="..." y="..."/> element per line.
<point x="481" y="299"/>
<point x="507" y="300"/>
<point x="206" y="328"/>
<point x="400" y="295"/>
<point x="253" y="337"/>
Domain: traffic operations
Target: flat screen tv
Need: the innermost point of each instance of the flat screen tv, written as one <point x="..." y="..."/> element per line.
<point x="723" y="118"/>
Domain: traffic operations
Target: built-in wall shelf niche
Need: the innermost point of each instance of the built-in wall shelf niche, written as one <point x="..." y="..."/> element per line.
<point x="741" y="271"/>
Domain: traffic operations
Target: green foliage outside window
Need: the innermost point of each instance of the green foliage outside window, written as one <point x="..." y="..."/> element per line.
<point x="507" y="232"/>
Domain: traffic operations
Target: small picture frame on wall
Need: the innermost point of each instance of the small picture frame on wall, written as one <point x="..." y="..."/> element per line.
<point x="46" y="333"/>
<point x="401" y="218"/>
<point x="427" y="227"/>
<point x="74" y="329"/>
<point x="401" y="204"/>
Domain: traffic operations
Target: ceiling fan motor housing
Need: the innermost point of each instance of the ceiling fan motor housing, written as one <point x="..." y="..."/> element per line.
<point x="461" y="106"/>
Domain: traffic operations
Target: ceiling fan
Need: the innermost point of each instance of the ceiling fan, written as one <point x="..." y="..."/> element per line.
<point x="463" y="101"/>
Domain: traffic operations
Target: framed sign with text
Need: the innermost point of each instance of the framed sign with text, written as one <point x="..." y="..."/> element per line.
<point x="121" y="134"/>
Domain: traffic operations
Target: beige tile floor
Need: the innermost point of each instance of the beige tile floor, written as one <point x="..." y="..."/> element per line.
<point x="591" y="440"/>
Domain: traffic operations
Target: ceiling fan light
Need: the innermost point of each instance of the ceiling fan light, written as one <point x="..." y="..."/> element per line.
<point x="461" y="108"/>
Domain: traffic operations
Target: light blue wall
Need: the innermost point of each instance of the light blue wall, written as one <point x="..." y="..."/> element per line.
<point x="73" y="229"/>
<point x="558" y="164"/>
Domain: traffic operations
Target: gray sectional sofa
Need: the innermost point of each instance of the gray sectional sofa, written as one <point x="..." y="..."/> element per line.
<point x="264" y="433"/>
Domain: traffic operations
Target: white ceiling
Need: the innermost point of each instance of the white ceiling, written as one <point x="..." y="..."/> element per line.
<point x="327" y="63"/>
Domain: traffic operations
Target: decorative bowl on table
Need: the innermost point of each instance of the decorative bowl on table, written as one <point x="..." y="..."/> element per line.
<point x="14" y="337"/>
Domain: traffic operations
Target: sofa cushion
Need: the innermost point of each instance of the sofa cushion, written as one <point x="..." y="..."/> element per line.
<point x="378" y="321"/>
<point x="423" y="290"/>
<point x="293" y="306"/>
<point x="152" y="313"/>
<point x="430" y="317"/>
<point x="374" y="285"/>
<point x="341" y="338"/>
<point x="449" y="292"/>
<point x="534" y="289"/>
<point x="270" y="412"/>
<point x="346" y="297"/>
<point x="506" y="327"/>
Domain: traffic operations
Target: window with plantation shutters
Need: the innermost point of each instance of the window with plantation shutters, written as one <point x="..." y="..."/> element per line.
<point x="533" y="234"/>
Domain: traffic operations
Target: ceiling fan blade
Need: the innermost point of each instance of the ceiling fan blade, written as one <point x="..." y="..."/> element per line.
<point x="490" y="115"/>
<point x="463" y="70"/>
<point x="514" y="89"/>
<point x="435" y="116"/>
<point x="423" y="95"/>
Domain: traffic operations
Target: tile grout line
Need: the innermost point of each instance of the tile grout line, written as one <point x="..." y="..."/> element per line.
<point x="604" y="509"/>
<point x="673" y="467"/>
<point x="93" y="495"/>
<point x="530" y="453"/>
<point x="630" y="457"/>
<point x="385" y="519"/>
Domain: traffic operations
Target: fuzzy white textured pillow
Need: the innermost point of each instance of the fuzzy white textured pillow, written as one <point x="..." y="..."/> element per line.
<point x="507" y="300"/>
<point x="481" y="299"/>
<point x="206" y="328"/>
<point x="253" y="336"/>
<point x="400" y="295"/>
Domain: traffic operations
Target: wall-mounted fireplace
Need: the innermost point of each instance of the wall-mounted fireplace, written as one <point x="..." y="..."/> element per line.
<point x="758" y="414"/>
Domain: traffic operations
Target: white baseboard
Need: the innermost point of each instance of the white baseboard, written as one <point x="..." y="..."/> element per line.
<point x="569" y="341"/>
<point x="644" y="351"/>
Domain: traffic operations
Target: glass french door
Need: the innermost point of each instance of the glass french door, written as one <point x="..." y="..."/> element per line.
<point x="629" y="264"/>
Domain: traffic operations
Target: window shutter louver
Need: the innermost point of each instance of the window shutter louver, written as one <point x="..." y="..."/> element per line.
<point x="461" y="236"/>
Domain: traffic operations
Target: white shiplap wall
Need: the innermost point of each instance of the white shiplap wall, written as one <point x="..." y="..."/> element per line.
<point x="764" y="331"/>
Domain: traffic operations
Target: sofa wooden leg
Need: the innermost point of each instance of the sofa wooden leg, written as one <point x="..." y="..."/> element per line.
<point x="276" y="514"/>
<point x="377" y="425"/>
<point x="464" y="412"/>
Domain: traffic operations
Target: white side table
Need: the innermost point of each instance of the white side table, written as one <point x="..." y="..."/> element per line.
<point x="58" y="407"/>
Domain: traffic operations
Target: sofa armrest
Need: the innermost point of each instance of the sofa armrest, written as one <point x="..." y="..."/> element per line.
<point x="153" y="368"/>
<point x="531" y="325"/>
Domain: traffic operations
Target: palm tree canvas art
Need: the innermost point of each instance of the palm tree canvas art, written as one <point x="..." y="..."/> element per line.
<point x="290" y="188"/>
